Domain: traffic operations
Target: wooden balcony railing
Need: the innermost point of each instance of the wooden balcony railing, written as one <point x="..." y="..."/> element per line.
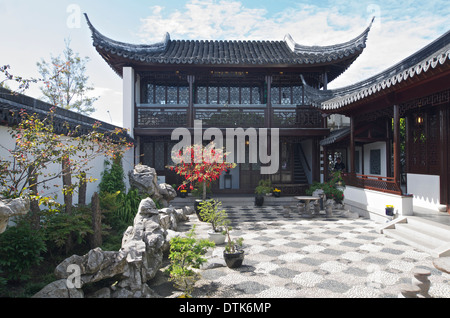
<point x="377" y="183"/>
<point x="231" y="116"/>
<point x="157" y="116"/>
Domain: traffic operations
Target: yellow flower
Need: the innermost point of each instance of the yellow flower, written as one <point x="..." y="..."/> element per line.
<point x="389" y="206"/>
<point x="276" y="190"/>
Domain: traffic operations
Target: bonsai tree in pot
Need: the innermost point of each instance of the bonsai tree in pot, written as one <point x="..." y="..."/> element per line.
<point x="186" y="254"/>
<point x="211" y="212"/>
<point x="264" y="187"/>
<point x="233" y="253"/>
<point x="198" y="163"/>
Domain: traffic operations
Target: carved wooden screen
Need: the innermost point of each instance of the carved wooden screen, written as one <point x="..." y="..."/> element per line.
<point x="424" y="144"/>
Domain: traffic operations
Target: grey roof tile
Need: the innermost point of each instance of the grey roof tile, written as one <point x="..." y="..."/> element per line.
<point x="230" y="52"/>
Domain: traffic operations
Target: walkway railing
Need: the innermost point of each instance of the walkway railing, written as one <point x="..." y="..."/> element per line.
<point x="377" y="183"/>
<point x="252" y="115"/>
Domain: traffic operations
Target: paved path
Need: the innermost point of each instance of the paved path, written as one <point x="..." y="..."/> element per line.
<point x="290" y="256"/>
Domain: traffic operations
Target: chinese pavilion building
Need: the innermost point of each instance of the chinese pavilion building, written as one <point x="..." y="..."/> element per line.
<point x="228" y="84"/>
<point x="397" y="147"/>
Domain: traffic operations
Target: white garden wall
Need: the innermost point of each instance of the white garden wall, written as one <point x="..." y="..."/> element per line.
<point x="425" y="190"/>
<point x="96" y="168"/>
<point x="372" y="204"/>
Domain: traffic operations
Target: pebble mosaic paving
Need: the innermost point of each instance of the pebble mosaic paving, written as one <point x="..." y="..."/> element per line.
<point x="287" y="255"/>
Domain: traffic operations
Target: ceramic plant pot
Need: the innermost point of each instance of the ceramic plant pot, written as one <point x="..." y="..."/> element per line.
<point x="217" y="237"/>
<point x="259" y="200"/>
<point x="234" y="260"/>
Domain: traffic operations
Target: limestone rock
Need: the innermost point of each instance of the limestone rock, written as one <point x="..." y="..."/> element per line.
<point x="12" y="207"/>
<point x="140" y="256"/>
<point x="137" y="261"/>
<point x="144" y="179"/>
<point x="94" y="266"/>
<point x="59" y="289"/>
<point x="187" y="210"/>
<point x="167" y="191"/>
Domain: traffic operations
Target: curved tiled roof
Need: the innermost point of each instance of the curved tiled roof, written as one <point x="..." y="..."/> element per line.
<point x="430" y="57"/>
<point x="285" y="52"/>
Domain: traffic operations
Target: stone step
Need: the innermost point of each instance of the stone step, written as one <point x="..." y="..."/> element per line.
<point x="428" y="231"/>
<point x="426" y="235"/>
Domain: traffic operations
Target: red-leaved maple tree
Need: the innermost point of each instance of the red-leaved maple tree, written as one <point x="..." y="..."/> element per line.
<point x="198" y="163"/>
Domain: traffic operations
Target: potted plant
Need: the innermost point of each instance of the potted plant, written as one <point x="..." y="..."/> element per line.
<point x="211" y="212"/>
<point x="233" y="253"/>
<point x="198" y="163"/>
<point x="276" y="192"/>
<point x="186" y="254"/>
<point x="264" y="187"/>
<point x="198" y="193"/>
<point x="389" y="210"/>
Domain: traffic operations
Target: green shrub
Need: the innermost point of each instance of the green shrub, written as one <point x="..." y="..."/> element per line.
<point x="186" y="253"/>
<point x="264" y="186"/>
<point x="20" y="250"/>
<point x="128" y="205"/>
<point x="112" y="178"/>
<point x="59" y="227"/>
<point x="210" y="212"/>
<point x="119" y="210"/>
<point x="329" y="188"/>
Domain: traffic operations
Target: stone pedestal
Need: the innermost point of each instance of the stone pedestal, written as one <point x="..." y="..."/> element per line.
<point x="408" y="291"/>
<point x="329" y="211"/>
<point x="421" y="280"/>
<point x="316" y="208"/>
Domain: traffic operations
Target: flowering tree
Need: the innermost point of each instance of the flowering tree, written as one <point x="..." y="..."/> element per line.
<point x="38" y="147"/>
<point x="198" y="163"/>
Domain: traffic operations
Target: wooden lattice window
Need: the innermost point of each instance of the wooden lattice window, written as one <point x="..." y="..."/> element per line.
<point x="423" y="146"/>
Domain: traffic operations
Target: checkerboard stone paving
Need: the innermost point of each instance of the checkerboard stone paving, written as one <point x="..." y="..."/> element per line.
<point x="287" y="255"/>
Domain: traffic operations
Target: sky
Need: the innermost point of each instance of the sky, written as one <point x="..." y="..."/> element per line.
<point x="32" y="30"/>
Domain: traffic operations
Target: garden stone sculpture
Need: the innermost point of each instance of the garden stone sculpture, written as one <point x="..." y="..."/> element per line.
<point x="137" y="261"/>
<point x="145" y="179"/>
<point x="10" y="208"/>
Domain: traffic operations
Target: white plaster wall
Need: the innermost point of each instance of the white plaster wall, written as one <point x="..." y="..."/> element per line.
<point x="369" y="203"/>
<point x="425" y="190"/>
<point x="373" y="146"/>
<point x="128" y="99"/>
<point x="96" y="168"/>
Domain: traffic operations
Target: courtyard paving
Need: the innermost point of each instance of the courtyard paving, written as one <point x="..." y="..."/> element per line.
<point x="291" y="256"/>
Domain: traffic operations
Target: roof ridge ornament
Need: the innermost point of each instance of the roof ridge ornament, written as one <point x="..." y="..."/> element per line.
<point x="358" y="43"/>
<point x="103" y="41"/>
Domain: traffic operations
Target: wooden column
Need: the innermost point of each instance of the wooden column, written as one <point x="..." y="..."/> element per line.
<point x="388" y="147"/>
<point x="408" y="145"/>
<point x="315" y="166"/>
<point x="269" y="101"/>
<point x="352" y="145"/>
<point x="396" y="144"/>
<point x="325" y="81"/>
<point x="445" y="160"/>
<point x="325" y="164"/>
<point x="190" y="113"/>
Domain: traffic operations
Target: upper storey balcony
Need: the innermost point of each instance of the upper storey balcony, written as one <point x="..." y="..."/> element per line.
<point x="258" y="106"/>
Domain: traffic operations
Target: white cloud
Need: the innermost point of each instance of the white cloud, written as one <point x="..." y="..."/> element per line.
<point x="400" y="28"/>
<point x="199" y="19"/>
